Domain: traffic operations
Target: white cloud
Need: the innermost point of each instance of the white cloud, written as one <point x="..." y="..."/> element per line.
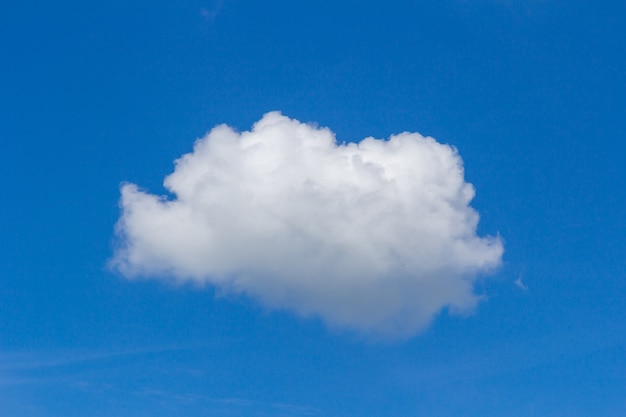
<point x="377" y="236"/>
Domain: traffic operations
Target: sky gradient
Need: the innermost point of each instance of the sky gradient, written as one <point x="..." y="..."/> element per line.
<point x="532" y="94"/>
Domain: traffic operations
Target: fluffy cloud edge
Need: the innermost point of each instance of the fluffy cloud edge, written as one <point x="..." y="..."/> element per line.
<point x="345" y="224"/>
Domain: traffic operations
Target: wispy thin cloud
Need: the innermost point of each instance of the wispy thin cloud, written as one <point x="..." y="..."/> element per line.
<point x="174" y="399"/>
<point x="519" y="283"/>
<point x="211" y="12"/>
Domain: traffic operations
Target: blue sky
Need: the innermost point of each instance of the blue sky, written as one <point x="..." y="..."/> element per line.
<point x="531" y="93"/>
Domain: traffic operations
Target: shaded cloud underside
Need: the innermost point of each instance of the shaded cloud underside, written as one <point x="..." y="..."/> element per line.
<point x="376" y="236"/>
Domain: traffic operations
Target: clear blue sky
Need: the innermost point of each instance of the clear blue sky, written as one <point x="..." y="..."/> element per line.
<point x="531" y="93"/>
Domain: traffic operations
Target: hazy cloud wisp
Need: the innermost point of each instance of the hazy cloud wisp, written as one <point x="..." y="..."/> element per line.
<point x="377" y="236"/>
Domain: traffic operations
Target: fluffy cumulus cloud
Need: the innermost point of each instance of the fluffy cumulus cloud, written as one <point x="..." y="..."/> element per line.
<point x="377" y="236"/>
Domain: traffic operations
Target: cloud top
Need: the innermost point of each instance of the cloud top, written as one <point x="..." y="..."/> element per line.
<point x="376" y="236"/>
